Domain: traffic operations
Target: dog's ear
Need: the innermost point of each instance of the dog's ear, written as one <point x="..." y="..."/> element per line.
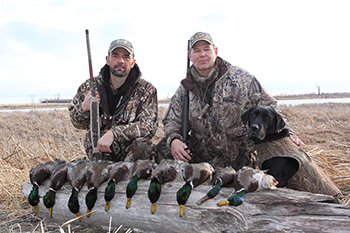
<point x="280" y="121"/>
<point x="245" y="116"/>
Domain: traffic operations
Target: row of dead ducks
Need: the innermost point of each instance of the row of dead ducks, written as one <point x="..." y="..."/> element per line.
<point x="80" y="171"/>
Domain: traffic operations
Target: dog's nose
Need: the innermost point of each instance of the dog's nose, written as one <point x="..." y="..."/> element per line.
<point x="254" y="127"/>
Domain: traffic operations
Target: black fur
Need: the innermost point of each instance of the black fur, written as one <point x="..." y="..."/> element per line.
<point x="265" y="125"/>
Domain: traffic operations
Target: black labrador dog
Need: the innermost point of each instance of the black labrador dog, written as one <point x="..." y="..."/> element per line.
<point x="265" y="125"/>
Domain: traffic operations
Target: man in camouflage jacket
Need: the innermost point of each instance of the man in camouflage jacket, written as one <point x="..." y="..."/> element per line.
<point x="128" y="107"/>
<point x="219" y="94"/>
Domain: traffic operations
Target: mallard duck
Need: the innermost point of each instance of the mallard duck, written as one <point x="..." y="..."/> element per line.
<point x="58" y="179"/>
<point x="76" y="178"/>
<point x="166" y="171"/>
<point x="248" y="180"/>
<point x="223" y="177"/>
<point x="142" y="169"/>
<point x="117" y="172"/>
<point x="37" y="176"/>
<point x="96" y="174"/>
<point x="194" y="175"/>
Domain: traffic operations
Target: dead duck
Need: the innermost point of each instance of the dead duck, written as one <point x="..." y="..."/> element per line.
<point x="76" y="178"/>
<point x="166" y="171"/>
<point x="223" y="177"/>
<point x="194" y="175"/>
<point x="248" y="180"/>
<point x="116" y="172"/>
<point x="96" y="174"/>
<point x="142" y="169"/>
<point x="58" y="179"/>
<point x="37" y="176"/>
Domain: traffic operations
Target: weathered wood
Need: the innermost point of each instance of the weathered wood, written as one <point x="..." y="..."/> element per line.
<point x="281" y="210"/>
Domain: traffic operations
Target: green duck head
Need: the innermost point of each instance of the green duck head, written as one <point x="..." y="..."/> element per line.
<point x="109" y="193"/>
<point x="211" y="193"/>
<point x="235" y="200"/>
<point x="90" y="200"/>
<point x="182" y="196"/>
<point x="131" y="189"/>
<point x="154" y="191"/>
<point x="49" y="200"/>
<point x="33" y="198"/>
<point x="73" y="203"/>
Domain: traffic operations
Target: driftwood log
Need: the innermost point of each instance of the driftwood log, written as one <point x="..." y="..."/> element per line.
<point x="280" y="210"/>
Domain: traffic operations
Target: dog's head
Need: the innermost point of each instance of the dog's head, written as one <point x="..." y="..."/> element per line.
<point x="262" y="121"/>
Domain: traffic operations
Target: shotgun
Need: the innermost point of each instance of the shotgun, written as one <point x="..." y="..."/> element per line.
<point x="94" y="107"/>
<point x="185" y="107"/>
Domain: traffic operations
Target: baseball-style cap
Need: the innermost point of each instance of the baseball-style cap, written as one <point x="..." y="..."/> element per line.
<point x="201" y="36"/>
<point x="122" y="43"/>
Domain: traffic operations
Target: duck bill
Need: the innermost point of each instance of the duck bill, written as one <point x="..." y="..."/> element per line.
<point x="36" y="209"/>
<point x="88" y="213"/>
<point x="79" y="216"/>
<point x="222" y="203"/>
<point x="108" y="204"/>
<point x="50" y="212"/>
<point x="153" y="207"/>
<point x="182" y="210"/>
<point x="202" y="200"/>
<point x="128" y="203"/>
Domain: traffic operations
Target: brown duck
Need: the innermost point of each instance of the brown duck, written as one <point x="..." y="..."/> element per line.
<point x="248" y="180"/>
<point x="223" y="177"/>
<point x="194" y="174"/>
<point x="96" y="174"/>
<point x="37" y="176"/>
<point x="116" y="172"/>
<point x="167" y="170"/>
<point x="76" y="175"/>
<point x="142" y="169"/>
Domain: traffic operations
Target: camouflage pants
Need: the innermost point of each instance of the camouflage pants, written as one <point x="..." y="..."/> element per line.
<point x="140" y="148"/>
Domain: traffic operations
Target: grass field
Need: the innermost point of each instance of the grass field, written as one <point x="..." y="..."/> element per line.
<point x="29" y="138"/>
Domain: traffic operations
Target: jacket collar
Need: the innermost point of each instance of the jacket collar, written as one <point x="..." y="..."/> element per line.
<point x="189" y="83"/>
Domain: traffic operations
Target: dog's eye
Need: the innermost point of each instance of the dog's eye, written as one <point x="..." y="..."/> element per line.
<point x="267" y="118"/>
<point x="253" y="115"/>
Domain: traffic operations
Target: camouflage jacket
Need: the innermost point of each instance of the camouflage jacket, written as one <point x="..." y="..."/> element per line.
<point x="219" y="129"/>
<point x="136" y="116"/>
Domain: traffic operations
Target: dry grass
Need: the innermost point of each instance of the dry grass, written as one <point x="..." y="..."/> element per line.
<point x="28" y="138"/>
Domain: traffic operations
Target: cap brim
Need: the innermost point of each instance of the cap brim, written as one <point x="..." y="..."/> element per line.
<point x="110" y="51"/>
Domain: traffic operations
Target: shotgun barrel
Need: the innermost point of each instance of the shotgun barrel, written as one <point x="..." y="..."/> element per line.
<point x="185" y="107"/>
<point x="94" y="107"/>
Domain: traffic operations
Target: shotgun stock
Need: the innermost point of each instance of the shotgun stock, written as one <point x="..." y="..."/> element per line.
<point x="185" y="106"/>
<point x="94" y="107"/>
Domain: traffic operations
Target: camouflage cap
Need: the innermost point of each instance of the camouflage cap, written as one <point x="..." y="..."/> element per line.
<point x="201" y="36"/>
<point x="122" y="43"/>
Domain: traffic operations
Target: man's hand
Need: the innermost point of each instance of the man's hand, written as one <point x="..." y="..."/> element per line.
<point x="296" y="140"/>
<point x="105" y="142"/>
<point x="180" y="151"/>
<point x="85" y="106"/>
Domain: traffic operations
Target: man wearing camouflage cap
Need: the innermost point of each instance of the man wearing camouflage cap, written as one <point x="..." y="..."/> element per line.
<point x="219" y="94"/>
<point x="128" y="107"/>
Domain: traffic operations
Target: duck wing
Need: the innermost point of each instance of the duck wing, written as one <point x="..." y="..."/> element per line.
<point x="143" y="168"/>
<point x="120" y="171"/>
<point x="226" y="175"/>
<point x="76" y="173"/>
<point x="198" y="173"/>
<point x="96" y="174"/>
<point x="167" y="171"/>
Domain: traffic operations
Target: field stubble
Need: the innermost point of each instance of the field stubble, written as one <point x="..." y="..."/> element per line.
<point x="29" y="138"/>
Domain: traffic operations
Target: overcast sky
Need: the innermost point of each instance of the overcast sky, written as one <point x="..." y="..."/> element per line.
<point x="289" y="46"/>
